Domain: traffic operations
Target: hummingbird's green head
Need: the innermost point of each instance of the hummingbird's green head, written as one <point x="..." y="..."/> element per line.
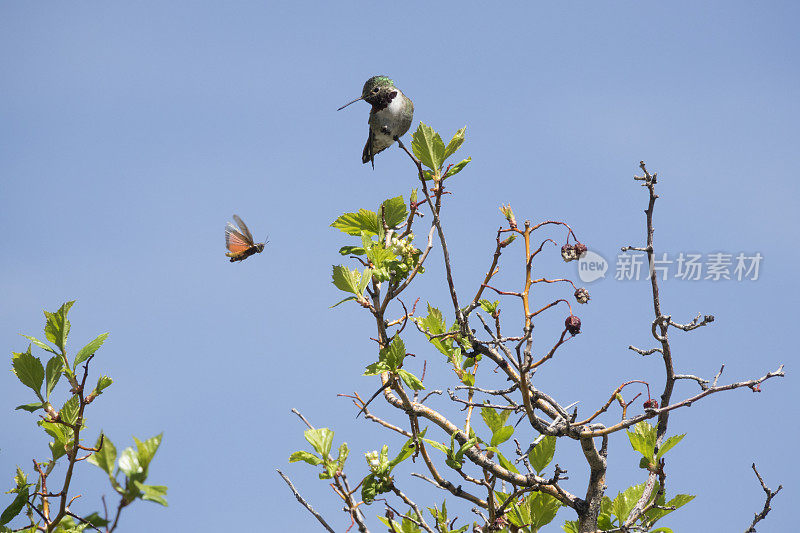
<point x="375" y="84"/>
<point x="374" y="90"/>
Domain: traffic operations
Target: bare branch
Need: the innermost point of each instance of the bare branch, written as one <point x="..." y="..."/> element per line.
<point x="304" y="502"/>
<point x="770" y="494"/>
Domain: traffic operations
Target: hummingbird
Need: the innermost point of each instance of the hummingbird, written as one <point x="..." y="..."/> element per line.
<point x="390" y="117"/>
<point x="240" y="241"/>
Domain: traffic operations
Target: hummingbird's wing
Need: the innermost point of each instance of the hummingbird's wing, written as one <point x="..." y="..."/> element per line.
<point x="235" y="241"/>
<point x="369" y="150"/>
<point x="245" y="230"/>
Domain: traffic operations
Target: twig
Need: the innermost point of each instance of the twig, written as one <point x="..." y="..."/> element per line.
<point x="770" y="494"/>
<point x="303" y="501"/>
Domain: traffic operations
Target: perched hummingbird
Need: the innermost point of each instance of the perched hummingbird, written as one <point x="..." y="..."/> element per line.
<point x="390" y="117"/>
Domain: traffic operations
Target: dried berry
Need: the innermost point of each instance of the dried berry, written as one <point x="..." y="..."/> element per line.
<point x="568" y="253"/>
<point x="582" y="295"/>
<point x="650" y="404"/>
<point x="573" y="324"/>
<point x="580" y="249"/>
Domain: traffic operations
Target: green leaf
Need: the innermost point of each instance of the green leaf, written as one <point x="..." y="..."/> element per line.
<point x="352" y="250"/>
<point x="489" y="307"/>
<point x="61" y="434"/>
<point x="29" y="370"/>
<point x="669" y="444"/>
<point x="52" y="374"/>
<point x="643" y="439"/>
<point x="152" y="493"/>
<point x="20" y="479"/>
<point x="355" y="223"/>
<point x="308" y="457"/>
<point x="96" y="520"/>
<point x="493" y="418"/>
<point x="570" y="526"/>
<point x="146" y="450"/>
<point x="406" y="451"/>
<point x="344" y="451"/>
<point x="502" y="435"/>
<point x="394" y="353"/>
<point x="394" y="211"/>
<point x="410" y="379"/>
<point x="103" y="382"/>
<point x="30" y="407"/>
<point x="505" y="463"/>
<point x="343" y="301"/>
<point x="458" y="167"/>
<point x="16" y="506"/>
<point x="40" y="344"/>
<point x="379" y="256"/>
<point x="455" y="143"/>
<point x="438" y="445"/>
<point x="346" y="280"/>
<point x="541" y="455"/>
<point x="57" y="327"/>
<point x="89" y="350"/>
<point x="106" y="457"/>
<point x="321" y="440"/>
<point x="543" y="508"/>
<point x="623" y="504"/>
<point x="366" y="276"/>
<point x="378" y="367"/>
<point x="69" y="411"/>
<point x="129" y="463"/>
<point x="428" y="147"/>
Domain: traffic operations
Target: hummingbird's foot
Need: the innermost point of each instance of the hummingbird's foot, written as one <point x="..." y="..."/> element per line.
<point x="396" y="138"/>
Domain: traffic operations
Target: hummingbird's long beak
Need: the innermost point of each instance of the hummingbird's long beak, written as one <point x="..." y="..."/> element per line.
<point x="353" y="102"/>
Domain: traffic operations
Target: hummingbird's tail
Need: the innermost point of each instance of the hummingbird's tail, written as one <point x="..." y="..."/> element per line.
<point x="369" y="154"/>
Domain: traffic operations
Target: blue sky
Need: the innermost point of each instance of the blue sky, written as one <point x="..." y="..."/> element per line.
<point x="132" y="131"/>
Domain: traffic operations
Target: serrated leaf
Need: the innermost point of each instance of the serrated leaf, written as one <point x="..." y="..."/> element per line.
<point x="622" y="505"/>
<point x="29" y="370"/>
<point x="378" y="367"/>
<point x="15" y="507"/>
<point x="40" y="344"/>
<point x="30" y="407"/>
<point x="428" y="147"/>
<point x="455" y="143"/>
<point x="129" y="462"/>
<point x="541" y="454"/>
<point x="505" y="463"/>
<point x="146" y="450"/>
<point x="96" y="520"/>
<point x="321" y="440"/>
<point x="103" y="382"/>
<point x="346" y="280"/>
<point x="52" y="374"/>
<point x="438" y="445"/>
<point x="106" y="457"/>
<point x="406" y="451"/>
<point x="458" y="167"/>
<point x="394" y="353"/>
<point x="69" y="411"/>
<point x="152" y="493"/>
<point x="570" y="526"/>
<point x="89" y="349"/>
<point x="308" y="457"/>
<point x="355" y="223"/>
<point x="669" y="444"/>
<point x="502" y="435"/>
<point x="410" y="379"/>
<point x="394" y="211"/>
<point x="542" y="508"/>
<point x="57" y="327"/>
<point x="352" y="250"/>
<point x="643" y="439"/>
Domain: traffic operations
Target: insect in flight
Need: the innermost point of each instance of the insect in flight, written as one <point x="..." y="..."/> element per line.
<point x="240" y="241"/>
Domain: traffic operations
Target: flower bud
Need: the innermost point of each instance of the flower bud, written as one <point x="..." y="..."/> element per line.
<point x="580" y="249"/>
<point x="650" y="404"/>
